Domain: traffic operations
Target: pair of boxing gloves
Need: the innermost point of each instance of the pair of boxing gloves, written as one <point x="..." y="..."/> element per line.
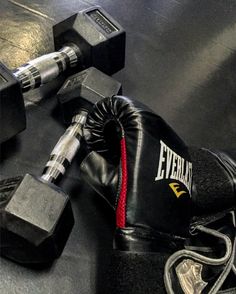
<point x="174" y="205"/>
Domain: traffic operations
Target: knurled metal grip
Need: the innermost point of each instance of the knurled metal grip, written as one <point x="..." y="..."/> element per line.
<point x="65" y="149"/>
<point x="47" y="67"/>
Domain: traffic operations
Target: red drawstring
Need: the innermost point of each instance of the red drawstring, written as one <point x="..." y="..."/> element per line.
<point x="121" y="207"/>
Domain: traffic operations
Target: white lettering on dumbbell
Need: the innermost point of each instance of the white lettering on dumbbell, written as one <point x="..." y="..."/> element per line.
<point x="102" y="21"/>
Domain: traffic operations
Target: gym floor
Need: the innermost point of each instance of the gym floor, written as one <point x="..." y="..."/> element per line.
<point x="180" y="61"/>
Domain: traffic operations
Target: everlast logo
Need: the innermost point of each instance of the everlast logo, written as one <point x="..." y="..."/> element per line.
<point x="174" y="167"/>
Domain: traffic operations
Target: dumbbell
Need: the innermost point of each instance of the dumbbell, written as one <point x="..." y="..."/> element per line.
<point x="83" y="90"/>
<point x="36" y="215"/>
<point x="89" y="38"/>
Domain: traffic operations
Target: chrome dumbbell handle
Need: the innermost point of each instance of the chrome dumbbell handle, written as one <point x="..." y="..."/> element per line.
<point x="47" y="67"/>
<point x="65" y="149"/>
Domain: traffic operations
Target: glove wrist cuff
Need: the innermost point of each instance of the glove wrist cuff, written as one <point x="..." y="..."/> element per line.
<point x="214" y="177"/>
<point x="135" y="273"/>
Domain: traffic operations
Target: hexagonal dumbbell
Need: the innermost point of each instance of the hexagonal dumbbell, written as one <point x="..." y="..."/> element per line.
<point x="36" y="215"/>
<point x="83" y="89"/>
<point x="89" y="38"/>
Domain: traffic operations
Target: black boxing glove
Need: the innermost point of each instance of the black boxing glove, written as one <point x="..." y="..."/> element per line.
<point x="143" y="169"/>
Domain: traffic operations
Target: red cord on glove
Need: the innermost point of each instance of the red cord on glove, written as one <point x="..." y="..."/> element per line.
<point x="121" y="207"/>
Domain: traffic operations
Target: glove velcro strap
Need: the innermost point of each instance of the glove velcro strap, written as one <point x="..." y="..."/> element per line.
<point x="135" y="273"/>
<point x="214" y="180"/>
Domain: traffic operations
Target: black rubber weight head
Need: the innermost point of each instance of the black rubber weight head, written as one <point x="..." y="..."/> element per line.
<point x="35" y="221"/>
<point x="84" y="89"/>
<point x="12" y="110"/>
<point x="100" y="38"/>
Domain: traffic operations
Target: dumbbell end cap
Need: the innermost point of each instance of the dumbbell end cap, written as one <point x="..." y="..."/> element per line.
<point x="12" y="112"/>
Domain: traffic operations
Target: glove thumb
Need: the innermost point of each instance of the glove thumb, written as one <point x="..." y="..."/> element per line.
<point x="102" y="176"/>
